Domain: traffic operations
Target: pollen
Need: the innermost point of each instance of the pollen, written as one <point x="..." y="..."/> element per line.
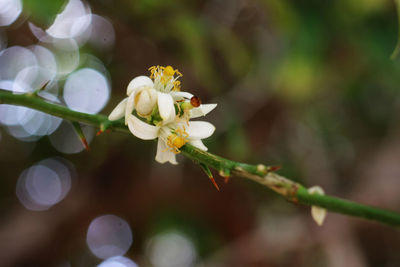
<point x="169" y="71"/>
<point x="165" y="78"/>
<point x="177" y="140"/>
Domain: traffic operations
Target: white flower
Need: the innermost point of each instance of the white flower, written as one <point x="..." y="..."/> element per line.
<point x="171" y="136"/>
<point x="143" y="93"/>
<point x="317" y="213"/>
<point x="158" y="99"/>
<point x="142" y="97"/>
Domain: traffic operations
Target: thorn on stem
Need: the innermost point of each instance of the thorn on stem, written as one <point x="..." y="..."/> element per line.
<point x="264" y="169"/>
<point x="85" y="144"/>
<point x="41" y="88"/>
<point x="81" y="135"/>
<point x="44" y="85"/>
<point x="274" y="168"/>
<point x="209" y="174"/>
<point x="214" y="183"/>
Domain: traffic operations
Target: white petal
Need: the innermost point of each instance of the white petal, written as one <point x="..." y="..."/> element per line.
<point x="130" y="106"/>
<point x="199" y="144"/>
<point x="181" y="95"/>
<point x="316" y="190"/>
<point x="318" y="214"/>
<point x="202" y="110"/>
<point x="164" y="154"/>
<point x="119" y="111"/>
<point x="138" y="82"/>
<point x="199" y="130"/>
<point x="141" y="129"/>
<point x="166" y="107"/>
<point x="145" y="100"/>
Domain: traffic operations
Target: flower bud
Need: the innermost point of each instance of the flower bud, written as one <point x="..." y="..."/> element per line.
<point x="137" y="83"/>
<point x="145" y="100"/>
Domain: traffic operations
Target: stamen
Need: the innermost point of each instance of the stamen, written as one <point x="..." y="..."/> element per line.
<point x="153" y="70"/>
<point x="177" y="139"/>
<point x="164" y="79"/>
<point x="169" y="71"/>
<point x="177" y="86"/>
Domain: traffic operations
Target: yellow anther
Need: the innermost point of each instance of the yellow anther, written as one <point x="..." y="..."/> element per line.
<point x="169" y="71"/>
<point x="165" y="78"/>
<point x="177" y="140"/>
<point x="177" y="86"/>
<point x="154" y="71"/>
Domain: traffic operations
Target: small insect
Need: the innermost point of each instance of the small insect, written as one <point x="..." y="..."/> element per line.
<point x="195" y="101"/>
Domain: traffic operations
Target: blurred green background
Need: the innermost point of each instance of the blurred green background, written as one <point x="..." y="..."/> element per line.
<point x="308" y="85"/>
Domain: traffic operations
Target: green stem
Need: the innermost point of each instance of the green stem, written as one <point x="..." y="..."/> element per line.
<point x="261" y="174"/>
<point x="31" y="100"/>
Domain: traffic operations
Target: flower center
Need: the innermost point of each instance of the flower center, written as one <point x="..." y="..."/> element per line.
<point x="165" y="78"/>
<point x="177" y="139"/>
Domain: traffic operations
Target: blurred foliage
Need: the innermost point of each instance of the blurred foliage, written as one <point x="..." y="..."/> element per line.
<point x="303" y="84"/>
<point x="44" y="11"/>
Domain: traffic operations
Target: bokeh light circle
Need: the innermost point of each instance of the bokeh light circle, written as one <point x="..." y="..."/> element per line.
<point x="72" y="22"/>
<point x="9" y="11"/>
<point x="66" y="140"/>
<point x="171" y="249"/>
<point x="118" y="261"/>
<point x="86" y="90"/>
<point x="109" y="236"/>
<point x="102" y="34"/>
<point x="44" y="184"/>
<point x="45" y="58"/>
<point x="13" y="60"/>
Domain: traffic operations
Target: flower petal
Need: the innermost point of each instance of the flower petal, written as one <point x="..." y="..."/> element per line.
<point x="181" y="95"/>
<point x="138" y="82"/>
<point x="316" y="189"/>
<point x="199" y="144"/>
<point x="202" y="110"/>
<point x="166" y="107"/>
<point x="199" y="130"/>
<point x="145" y="100"/>
<point x="140" y="129"/>
<point x="130" y="106"/>
<point x="317" y="213"/>
<point x="119" y="111"/>
<point x="164" y="154"/>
